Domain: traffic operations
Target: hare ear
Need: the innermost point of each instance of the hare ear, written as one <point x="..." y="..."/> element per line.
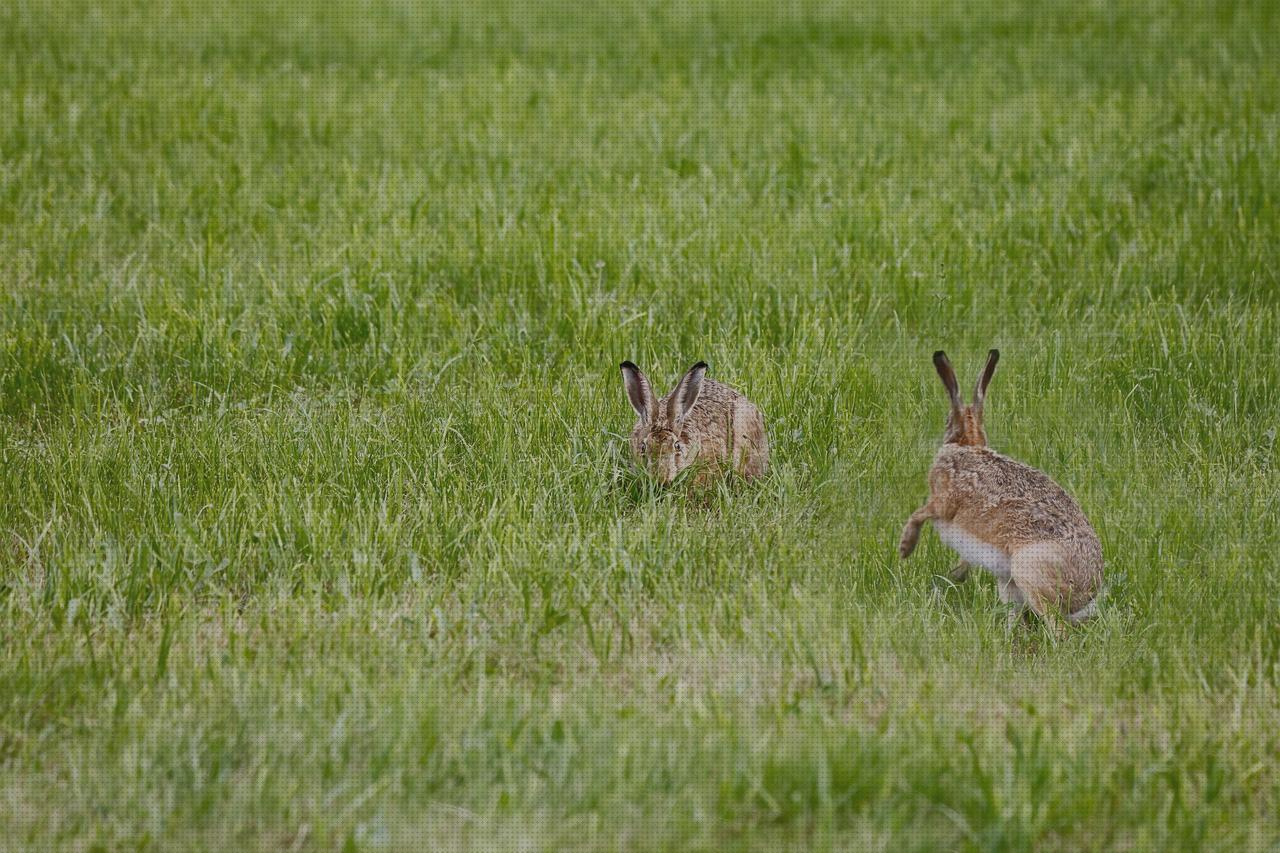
<point x="948" y="377"/>
<point x="638" y="391"/>
<point x="980" y="391"/>
<point x="686" y="394"/>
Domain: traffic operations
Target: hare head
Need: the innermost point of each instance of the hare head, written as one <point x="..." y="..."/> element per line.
<point x="660" y="441"/>
<point x="964" y="423"/>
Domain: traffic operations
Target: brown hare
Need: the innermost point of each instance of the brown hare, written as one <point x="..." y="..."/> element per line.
<point x="1007" y="517"/>
<point x="700" y="421"/>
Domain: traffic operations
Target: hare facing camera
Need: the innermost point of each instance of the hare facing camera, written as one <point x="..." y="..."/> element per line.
<point x="701" y="421"/>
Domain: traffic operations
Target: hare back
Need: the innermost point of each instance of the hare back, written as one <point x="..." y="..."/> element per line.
<point x="750" y="441"/>
<point x="1002" y="501"/>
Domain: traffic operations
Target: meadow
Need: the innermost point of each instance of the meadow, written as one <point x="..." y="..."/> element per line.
<point x="317" y="525"/>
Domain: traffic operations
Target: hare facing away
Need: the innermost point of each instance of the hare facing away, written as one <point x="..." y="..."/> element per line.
<point x="1007" y="517"/>
<point x="701" y="421"/>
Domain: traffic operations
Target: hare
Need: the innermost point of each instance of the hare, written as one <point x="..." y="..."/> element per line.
<point x="700" y="421"/>
<point x="1007" y="517"/>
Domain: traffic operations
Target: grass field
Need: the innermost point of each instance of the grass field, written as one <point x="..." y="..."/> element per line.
<point x="317" y="528"/>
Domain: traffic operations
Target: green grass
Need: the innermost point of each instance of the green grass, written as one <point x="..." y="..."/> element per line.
<point x="317" y="529"/>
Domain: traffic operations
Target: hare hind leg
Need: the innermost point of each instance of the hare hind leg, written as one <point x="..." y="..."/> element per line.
<point x="1040" y="572"/>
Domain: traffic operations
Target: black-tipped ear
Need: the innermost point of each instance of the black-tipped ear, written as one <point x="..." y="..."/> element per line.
<point x="638" y="391"/>
<point x="948" y="377"/>
<point x="686" y="393"/>
<point x="980" y="392"/>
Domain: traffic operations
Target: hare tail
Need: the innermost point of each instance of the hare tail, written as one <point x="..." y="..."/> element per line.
<point x="1084" y="614"/>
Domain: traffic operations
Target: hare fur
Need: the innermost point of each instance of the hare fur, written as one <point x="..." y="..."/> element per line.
<point x="1007" y="517"/>
<point x="700" y="422"/>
